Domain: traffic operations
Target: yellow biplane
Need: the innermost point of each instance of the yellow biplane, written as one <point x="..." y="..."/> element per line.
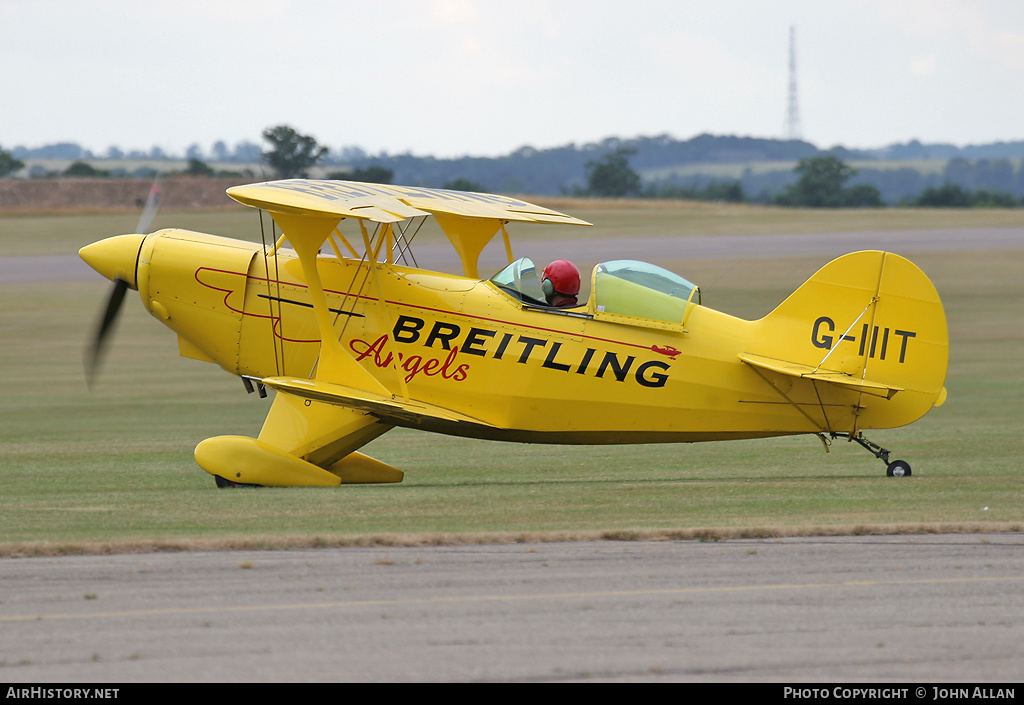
<point x="355" y="343"/>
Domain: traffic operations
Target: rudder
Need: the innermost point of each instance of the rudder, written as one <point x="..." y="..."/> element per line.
<point x="871" y="318"/>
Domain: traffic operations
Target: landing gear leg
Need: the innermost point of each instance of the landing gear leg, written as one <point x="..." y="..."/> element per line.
<point x="897" y="468"/>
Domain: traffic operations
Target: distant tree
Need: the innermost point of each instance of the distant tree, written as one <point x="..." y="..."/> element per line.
<point x="197" y="167"/>
<point x="83" y="169"/>
<point x="862" y="196"/>
<point x="370" y="174"/>
<point x="246" y="151"/>
<point x="899" y="185"/>
<point x="61" y="150"/>
<point x="610" y="176"/>
<point x="956" y="196"/>
<point x="727" y="191"/>
<point x="291" y="154"/>
<point x="8" y="164"/>
<point x="461" y="184"/>
<point x="994" y="199"/>
<point x="220" y="151"/>
<point x="347" y="155"/>
<point x="820" y="184"/>
<point x="945" y="196"/>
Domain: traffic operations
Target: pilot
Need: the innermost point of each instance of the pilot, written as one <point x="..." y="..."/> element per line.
<point x="561" y="283"/>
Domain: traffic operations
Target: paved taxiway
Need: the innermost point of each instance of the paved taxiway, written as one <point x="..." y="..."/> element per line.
<point x="919" y="608"/>
<point x="588" y="251"/>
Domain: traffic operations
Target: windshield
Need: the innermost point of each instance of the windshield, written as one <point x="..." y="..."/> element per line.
<point x="641" y="290"/>
<point x="520" y="279"/>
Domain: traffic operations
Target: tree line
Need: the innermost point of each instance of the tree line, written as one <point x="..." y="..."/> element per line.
<point x="821" y="182"/>
<point x="817" y="181"/>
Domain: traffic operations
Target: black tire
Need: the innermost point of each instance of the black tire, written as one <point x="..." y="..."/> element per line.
<point x="898" y="468"/>
<point x="222" y="483"/>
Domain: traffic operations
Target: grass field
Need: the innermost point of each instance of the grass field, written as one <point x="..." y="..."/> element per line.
<point x="111" y="469"/>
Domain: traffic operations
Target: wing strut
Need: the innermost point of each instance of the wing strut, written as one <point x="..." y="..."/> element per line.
<point x="307" y="234"/>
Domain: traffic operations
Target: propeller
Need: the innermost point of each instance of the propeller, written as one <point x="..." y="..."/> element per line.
<point x="149" y="211"/>
<point x="116" y="259"/>
<point x="94" y="354"/>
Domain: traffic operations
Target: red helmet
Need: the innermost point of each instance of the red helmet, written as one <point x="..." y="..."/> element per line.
<point x="565" y="278"/>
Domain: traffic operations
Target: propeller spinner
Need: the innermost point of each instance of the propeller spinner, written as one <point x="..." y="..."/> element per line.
<point x="115" y="258"/>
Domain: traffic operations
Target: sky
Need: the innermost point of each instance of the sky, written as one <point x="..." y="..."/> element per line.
<point x="448" y="78"/>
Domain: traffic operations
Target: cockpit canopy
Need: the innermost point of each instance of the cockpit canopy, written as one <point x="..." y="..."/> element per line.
<point x="625" y="291"/>
<point x="631" y="289"/>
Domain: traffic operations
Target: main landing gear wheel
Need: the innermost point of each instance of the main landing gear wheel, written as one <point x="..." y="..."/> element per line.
<point x="222" y="483"/>
<point x="898" y="468"/>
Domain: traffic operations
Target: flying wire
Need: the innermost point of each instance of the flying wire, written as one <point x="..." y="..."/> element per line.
<point x="407" y="241"/>
<point x="270" y="297"/>
<point x="352" y="287"/>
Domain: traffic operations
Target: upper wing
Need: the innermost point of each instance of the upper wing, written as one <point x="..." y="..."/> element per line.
<point x="384" y="203"/>
<point x="470" y="220"/>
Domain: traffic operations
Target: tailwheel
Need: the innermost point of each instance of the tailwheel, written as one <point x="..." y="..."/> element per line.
<point x="898" y="468"/>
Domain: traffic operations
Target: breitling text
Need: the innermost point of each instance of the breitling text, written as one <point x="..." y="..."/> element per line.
<point x="484" y="342"/>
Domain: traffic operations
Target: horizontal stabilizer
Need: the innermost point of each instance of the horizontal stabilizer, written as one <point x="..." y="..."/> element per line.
<point x="796" y="369"/>
<point x="387" y="408"/>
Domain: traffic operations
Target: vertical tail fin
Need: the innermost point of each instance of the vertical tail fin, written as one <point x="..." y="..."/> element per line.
<point x="870" y="330"/>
